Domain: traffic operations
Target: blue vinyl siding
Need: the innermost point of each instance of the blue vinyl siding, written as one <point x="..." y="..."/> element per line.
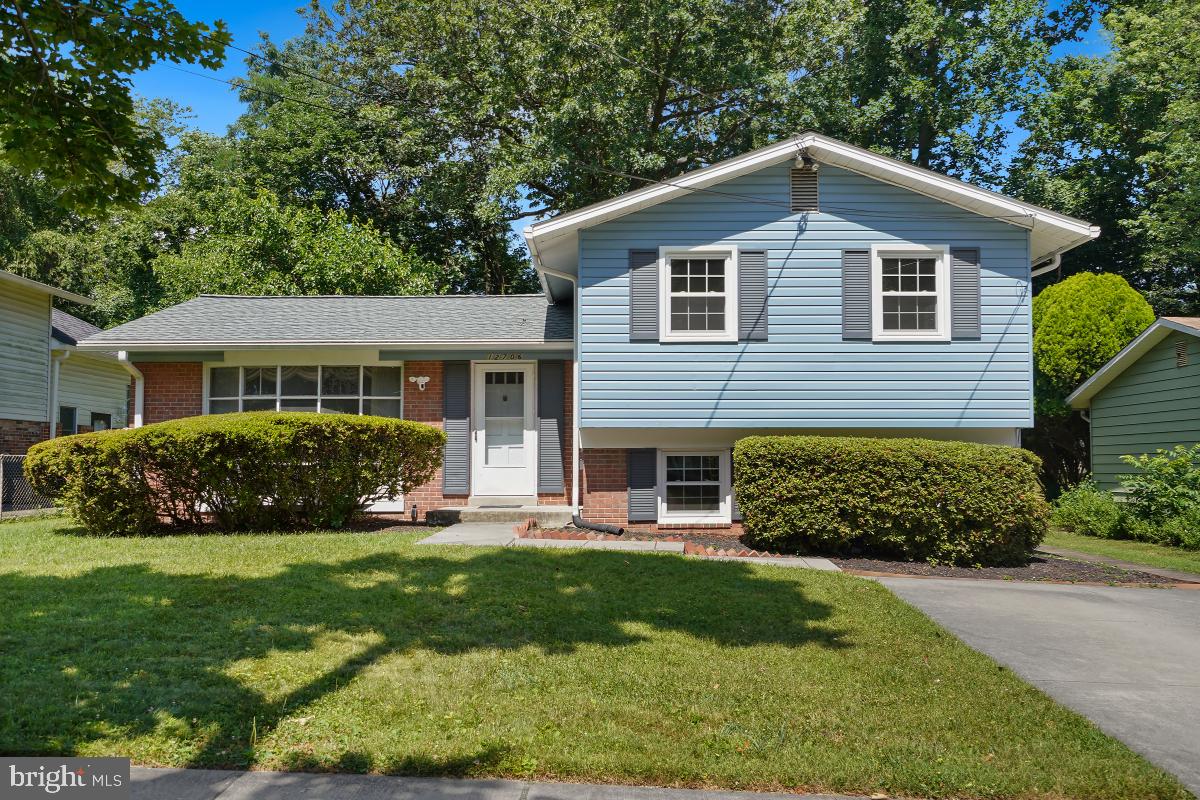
<point x="806" y="375"/>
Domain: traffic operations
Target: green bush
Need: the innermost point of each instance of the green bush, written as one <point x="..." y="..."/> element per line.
<point x="948" y="502"/>
<point x="1088" y="510"/>
<point x="236" y="472"/>
<point x="1166" y="484"/>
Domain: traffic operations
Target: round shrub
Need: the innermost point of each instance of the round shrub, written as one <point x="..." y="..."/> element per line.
<point x="234" y="472"/>
<point x="946" y="502"/>
<point x="1078" y="325"/>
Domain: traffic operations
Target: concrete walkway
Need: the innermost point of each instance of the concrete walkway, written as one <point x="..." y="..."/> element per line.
<point x="205" y="784"/>
<point x="1126" y="658"/>
<point x="500" y="534"/>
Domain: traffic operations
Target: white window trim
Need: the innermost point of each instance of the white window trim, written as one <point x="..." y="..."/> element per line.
<point x="902" y="249"/>
<point x="730" y="254"/>
<point x="722" y="515"/>
<point x="279" y="396"/>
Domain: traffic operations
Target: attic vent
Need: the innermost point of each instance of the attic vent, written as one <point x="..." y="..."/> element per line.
<point x="804" y="189"/>
<point x="1181" y="352"/>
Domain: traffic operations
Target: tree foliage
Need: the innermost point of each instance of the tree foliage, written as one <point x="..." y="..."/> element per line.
<point x="554" y="103"/>
<point x="254" y="245"/>
<point x="1078" y="325"/>
<point x="1116" y="140"/>
<point x="65" y="105"/>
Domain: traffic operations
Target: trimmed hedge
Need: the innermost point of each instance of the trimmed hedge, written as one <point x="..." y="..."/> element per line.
<point x="945" y="502"/>
<point x="236" y="472"/>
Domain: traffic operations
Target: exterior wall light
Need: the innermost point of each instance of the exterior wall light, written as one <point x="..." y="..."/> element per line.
<point x="419" y="380"/>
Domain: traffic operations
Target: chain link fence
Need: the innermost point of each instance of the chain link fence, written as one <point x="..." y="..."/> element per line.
<point x="15" y="492"/>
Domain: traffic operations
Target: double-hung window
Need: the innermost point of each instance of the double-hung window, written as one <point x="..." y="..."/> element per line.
<point x="698" y="294"/>
<point x="910" y="288"/>
<point x="334" y="389"/>
<point x="694" y="486"/>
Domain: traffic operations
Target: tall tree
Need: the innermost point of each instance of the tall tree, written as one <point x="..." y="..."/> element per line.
<point x="1116" y="140"/>
<point x="556" y="99"/>
<point x="65" y="105"/>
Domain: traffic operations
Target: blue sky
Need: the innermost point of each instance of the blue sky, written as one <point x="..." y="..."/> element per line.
<point x="215" y="105"/>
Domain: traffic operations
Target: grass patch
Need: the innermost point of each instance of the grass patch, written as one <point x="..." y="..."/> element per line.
<point x="1152" y="555"/>
<point x="366" y="652"/>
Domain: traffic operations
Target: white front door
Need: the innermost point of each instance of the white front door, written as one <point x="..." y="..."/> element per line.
<point x="503" y="436"/>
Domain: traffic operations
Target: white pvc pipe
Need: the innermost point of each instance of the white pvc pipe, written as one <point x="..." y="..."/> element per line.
<point x="56" y="359"/>
<point x="139" y="387"/>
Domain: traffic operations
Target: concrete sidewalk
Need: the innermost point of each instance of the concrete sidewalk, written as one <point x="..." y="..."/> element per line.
<point x="208" y="784"/>
<point x="500" y="534"/>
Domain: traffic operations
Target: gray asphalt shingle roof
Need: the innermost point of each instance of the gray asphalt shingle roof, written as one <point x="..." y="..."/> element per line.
<point x="70" y="329"/>
<point x="229" y="320"/>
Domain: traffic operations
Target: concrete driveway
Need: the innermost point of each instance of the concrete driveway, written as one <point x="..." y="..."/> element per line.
<point x="1128" y="659"/>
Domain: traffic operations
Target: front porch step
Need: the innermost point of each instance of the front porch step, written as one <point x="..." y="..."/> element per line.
<point x="518" y="501"/>
<point x="546" y="516"/>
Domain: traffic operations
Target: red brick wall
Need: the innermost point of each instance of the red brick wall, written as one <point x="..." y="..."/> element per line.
<point x="604" y="484"/>
<point x="18" y="435"/>
<point x="173" y="390"/>
<point x="426" y="406"/>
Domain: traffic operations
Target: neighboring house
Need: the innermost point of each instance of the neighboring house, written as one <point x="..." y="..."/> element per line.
<point x="809" y="286"/>
<point x="45" y="377"/>
<point x="1146" y="398"/>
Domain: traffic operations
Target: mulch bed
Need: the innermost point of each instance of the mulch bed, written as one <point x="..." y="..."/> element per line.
<point x="375" y="523"/>
<point x="1042" y="567"/>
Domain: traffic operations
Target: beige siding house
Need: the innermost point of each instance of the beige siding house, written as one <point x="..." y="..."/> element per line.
<point x="44" y="377"/>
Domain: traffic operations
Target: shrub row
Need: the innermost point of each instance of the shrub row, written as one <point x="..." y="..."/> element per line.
<point x="1162" y="502"/>
<point x="947" y="502"/>
<point x="237" y="472"/>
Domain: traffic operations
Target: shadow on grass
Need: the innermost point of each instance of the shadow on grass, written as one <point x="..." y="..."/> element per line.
<point x="127" y="651"/>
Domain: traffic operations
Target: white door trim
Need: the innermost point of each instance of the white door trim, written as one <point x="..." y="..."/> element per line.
<point x="490" y="481"/>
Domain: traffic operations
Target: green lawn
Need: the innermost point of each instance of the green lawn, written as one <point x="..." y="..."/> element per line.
<point x="1152" y="555"/>
<point x="366" y="652"/>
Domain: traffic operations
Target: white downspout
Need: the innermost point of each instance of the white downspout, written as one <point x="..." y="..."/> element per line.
<point x="56" y="359"/>
<point x="139" y="387"/>
<point x="542" y="272"/>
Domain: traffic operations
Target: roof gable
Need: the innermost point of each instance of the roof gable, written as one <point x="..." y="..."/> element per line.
<point x="1144" y="343"/>
<point x="554" y="242"/>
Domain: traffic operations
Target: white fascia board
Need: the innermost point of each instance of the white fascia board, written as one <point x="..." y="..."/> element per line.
<point x="183" y="347"/>
<point x="28" y="283"/>
<point x="1147" y="339"/>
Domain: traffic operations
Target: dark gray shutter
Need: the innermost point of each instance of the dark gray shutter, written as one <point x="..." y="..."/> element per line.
<point x="643" y="485"/>
<point x="964" y="293"/>
<point x="805" y="190"/>
<point x="752" y="295"/>
<point x="550" y="407"/>
<point x="643" y="295"/>
<point x="735" y="513"/>
<point x="856" y="294"/>
<point x="456" y="419"/>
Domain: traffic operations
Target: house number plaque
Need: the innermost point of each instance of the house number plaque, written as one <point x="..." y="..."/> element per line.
<point x="504" y="356"/>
